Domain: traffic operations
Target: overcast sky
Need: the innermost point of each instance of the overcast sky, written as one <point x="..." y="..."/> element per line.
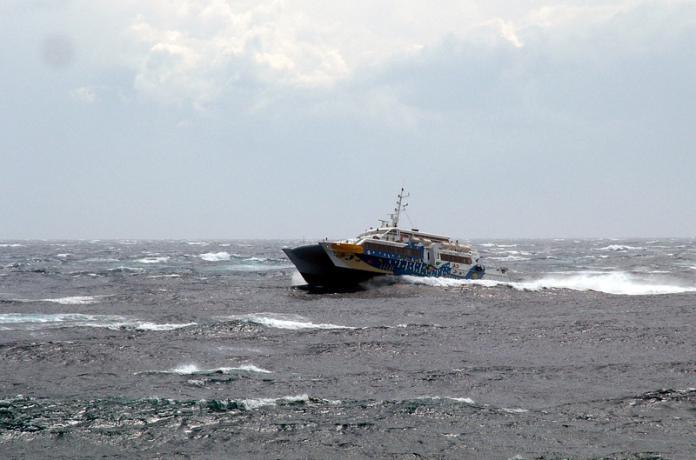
<point x="238" y="119"/>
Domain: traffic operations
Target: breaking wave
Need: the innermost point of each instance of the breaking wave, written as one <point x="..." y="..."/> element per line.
<point x="245" y="263"/>
<point x="255" y="403"/>
<point x="147" y="326"/>
<point x="621" y="247"/>
<point x="14" y="321"/>
<point x="215" y="256"/>
<point x="192" y="369"/>
<point x="73" y="300"/>
<point x="617" y="283"/>
<point x="153" y="260"/>
<point x="250" y="404"/>
<point x="285" y="322"/>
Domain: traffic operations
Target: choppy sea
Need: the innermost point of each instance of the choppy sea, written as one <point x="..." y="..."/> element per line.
<point x="175" y="349"/>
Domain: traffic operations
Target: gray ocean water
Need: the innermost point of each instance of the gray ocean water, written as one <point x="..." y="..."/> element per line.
<point x="174" y="349"/>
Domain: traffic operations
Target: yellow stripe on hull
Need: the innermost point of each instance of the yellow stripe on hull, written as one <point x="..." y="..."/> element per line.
<point x="346" y="248"/>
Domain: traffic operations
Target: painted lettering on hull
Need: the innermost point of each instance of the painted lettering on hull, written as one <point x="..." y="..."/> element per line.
<point x="407" y="267"/>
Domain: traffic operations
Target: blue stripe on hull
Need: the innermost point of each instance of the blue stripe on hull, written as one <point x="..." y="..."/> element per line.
<point x="416" y="267"/>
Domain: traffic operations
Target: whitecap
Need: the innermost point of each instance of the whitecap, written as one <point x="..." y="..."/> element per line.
<point x="77" y="319"/>
<point x="184" y="369"/>
<point x="73" y="300"/>
<point x="197" y="243"/>
<point x="463" y="400"/>
<point x="251" y="404"/>
<point x="249" y="368"/>
<point x="11" y="245"/>
<point x="147" y="326"/>
<point x="63" y="255"/>
<point x="515" y="410"/>
<point x="112" y="322"/>
<point x="621" y="247"/>
<point x="285" y="322"/>
<point x="193" y="369"/>
<point x="153" y="260"/>
<point x="438" y="398"/>
<point x="215" y="256"/>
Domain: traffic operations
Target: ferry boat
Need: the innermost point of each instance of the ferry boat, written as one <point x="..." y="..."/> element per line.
<point x="386" y="250"/>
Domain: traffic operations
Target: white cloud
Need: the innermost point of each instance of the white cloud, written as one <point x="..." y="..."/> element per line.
<point x="197" y="52"/>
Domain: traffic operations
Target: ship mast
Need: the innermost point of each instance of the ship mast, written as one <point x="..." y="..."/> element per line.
<point x="400" y="206"/>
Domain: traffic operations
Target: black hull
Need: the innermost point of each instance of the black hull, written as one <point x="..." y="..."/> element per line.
<point x="318" y="270"/>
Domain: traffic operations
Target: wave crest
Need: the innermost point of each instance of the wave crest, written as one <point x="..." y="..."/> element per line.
<point x="277" y="321"/>
<point x="153" y="260"/>
<point x="73" y="300"/>
<point x="215" y="256"/>
<point x="193" y="369"/>
<point x="621" y="247"/>
<point x="112" y="322"/>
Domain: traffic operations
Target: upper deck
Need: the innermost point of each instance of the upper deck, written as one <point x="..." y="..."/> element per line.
<point x="397" y="234"/>
<point x="401" y="237"/>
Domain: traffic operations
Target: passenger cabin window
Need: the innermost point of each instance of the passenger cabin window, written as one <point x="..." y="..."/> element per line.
<point x="404" y="252"/>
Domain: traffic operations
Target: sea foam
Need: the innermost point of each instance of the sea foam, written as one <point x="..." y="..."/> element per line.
<point x="147" y="326"/>
<point x="73" y="300"/>
<point x="621" y="247"/>
<point x="618" y="283"/>
<point x="286" y="322"/>
<point x="193" y="369"/>
<point x="113" y="322"/>
<point x="215" y="256"/>
<point x="250" y="404"/>
<point x="153" y="260"/>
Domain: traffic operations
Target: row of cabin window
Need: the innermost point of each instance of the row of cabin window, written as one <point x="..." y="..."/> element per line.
<point x="456" y="259"/>
<point x="405" y="252"/>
